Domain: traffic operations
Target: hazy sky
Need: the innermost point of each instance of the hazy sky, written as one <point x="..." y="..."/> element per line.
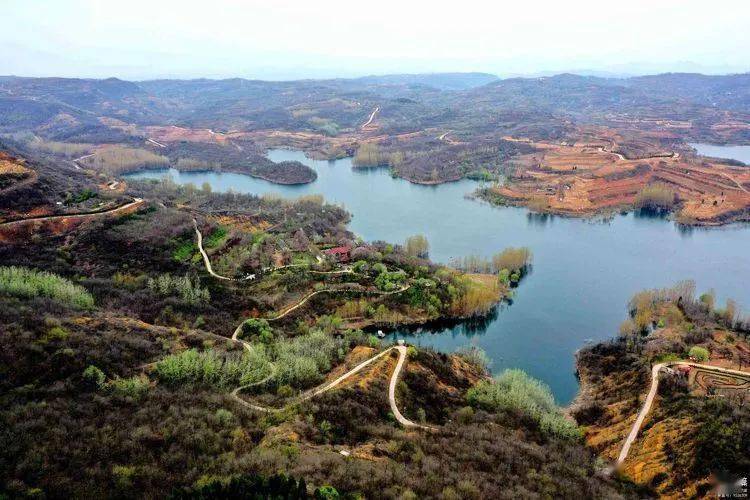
<point x="281" y="39"/>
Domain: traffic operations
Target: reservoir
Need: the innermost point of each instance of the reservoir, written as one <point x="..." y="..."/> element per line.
<point x="583" y="274"/>
<point x="741" y="153"/>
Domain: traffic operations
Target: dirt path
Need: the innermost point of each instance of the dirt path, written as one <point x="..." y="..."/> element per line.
<point x="85" y="215"/>
<point x="372" y="116"/>
<point x="235" y="394"/>
<point x="652" y="394"/>
<point x="724" y="174"/>
<point x="402" y="353"/>
<point x="333" y="290"/>
<point x="31" y="179"/>
<point x="155" y="143"/>
<point x="76" y="160"/>
<point x="207" y="261"/>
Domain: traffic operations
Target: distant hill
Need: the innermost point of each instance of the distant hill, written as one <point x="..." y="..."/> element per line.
<point x="441" y="81"/>
<point x="407" y="102"/>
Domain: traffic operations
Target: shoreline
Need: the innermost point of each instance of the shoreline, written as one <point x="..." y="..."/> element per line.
<point x="495" y="200"/>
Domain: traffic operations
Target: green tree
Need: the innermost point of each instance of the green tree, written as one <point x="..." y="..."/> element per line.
<point x="94" y="376"/>
<point x="257" y="328"/>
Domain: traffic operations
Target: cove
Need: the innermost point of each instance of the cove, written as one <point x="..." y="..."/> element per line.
<point x="584" y="271"/>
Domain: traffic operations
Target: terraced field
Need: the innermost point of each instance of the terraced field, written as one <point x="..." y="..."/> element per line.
<point x="585" y="179"/>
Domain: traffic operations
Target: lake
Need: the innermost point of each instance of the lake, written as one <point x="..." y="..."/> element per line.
<point x="584" y="271"/>
<point x="741" y="153"/>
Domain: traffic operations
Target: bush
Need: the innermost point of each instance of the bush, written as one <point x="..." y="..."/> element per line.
<point x="475" y="357"/>
<point x="134" y="387"/>
<point x="94" y="376"/>
<point x="300" y="361"/>
<point x="247" y="486"/>
<point x="209" y="368"/>
<point x="257" y="328"/>
<point x="183" y="286"/>
<point x="390" y="281"/>
<point x="699" y="353"/>
<point x="23" y="282"/>
<point x="515" y="391"/>
<point x="214" y="239"/>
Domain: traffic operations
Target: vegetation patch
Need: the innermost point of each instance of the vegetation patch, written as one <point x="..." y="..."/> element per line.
<point x="28" y="283"/>
<point x="515" y="391"/>
<point x="213" y="369"/>
<point x="187" y="289"/>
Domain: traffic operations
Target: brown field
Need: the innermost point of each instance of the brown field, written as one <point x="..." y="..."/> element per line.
<point x="176" y="134"/>
<point x="585" y="179"/>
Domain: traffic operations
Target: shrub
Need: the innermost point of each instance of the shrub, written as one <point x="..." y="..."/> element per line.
<point x="300" y="361"/>
<point x="515" y="391"/>
<point x="134" y="387"/>
<point x="94" y="376"/>
<point x="183" y="286"/>
<point x="209" y="368"/>
<point x="23" y="282"/>
<point x="257" y="328"/>
<point x="699" y="353"/>
<point x="248" y="486"/>
<point x="475" y="357"/>
<point x="326" y="493"/>
<point x="390" y="281"/>
<point x="224" y="417"/>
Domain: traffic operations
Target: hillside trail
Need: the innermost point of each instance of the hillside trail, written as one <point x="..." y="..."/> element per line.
<point x="372" y="116"/>
<point x="402" y="350"/>
<point x="84" y="215"/>
<point x="646" y="408"/>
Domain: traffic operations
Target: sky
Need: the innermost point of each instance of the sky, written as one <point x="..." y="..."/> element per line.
<point x="284" y="39"/>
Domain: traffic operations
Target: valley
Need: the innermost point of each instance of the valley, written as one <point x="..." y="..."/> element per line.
<point x="382" y="287"/>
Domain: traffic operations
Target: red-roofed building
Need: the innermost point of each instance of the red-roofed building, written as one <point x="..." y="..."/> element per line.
<point x="341" y="254"/>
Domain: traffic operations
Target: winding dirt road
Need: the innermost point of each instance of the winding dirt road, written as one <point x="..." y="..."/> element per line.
<point x="75" y="161"/>
<point x="402" y="350"/>
<point x="652" y="394"/>
<point x="207" y="261"/>
<point x="372" y="116"/>
<point x="85" y="215"/>
<point x="402" y="353"/>
<point x="333" y="290"/>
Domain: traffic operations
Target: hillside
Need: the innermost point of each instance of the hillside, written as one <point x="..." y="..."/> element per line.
<point x="696" y="433"/>
<point x="198" y="340"/>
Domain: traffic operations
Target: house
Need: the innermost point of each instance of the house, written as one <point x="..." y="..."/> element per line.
<point x="339" y="254"/>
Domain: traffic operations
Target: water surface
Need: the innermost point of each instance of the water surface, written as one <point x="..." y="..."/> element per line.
<point x="741" y="153"/>
<point x="584" y="272"/>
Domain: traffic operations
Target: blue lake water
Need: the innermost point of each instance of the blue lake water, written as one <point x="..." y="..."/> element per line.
<point x="584" y="272"/>
<point x="741" y="153"/>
